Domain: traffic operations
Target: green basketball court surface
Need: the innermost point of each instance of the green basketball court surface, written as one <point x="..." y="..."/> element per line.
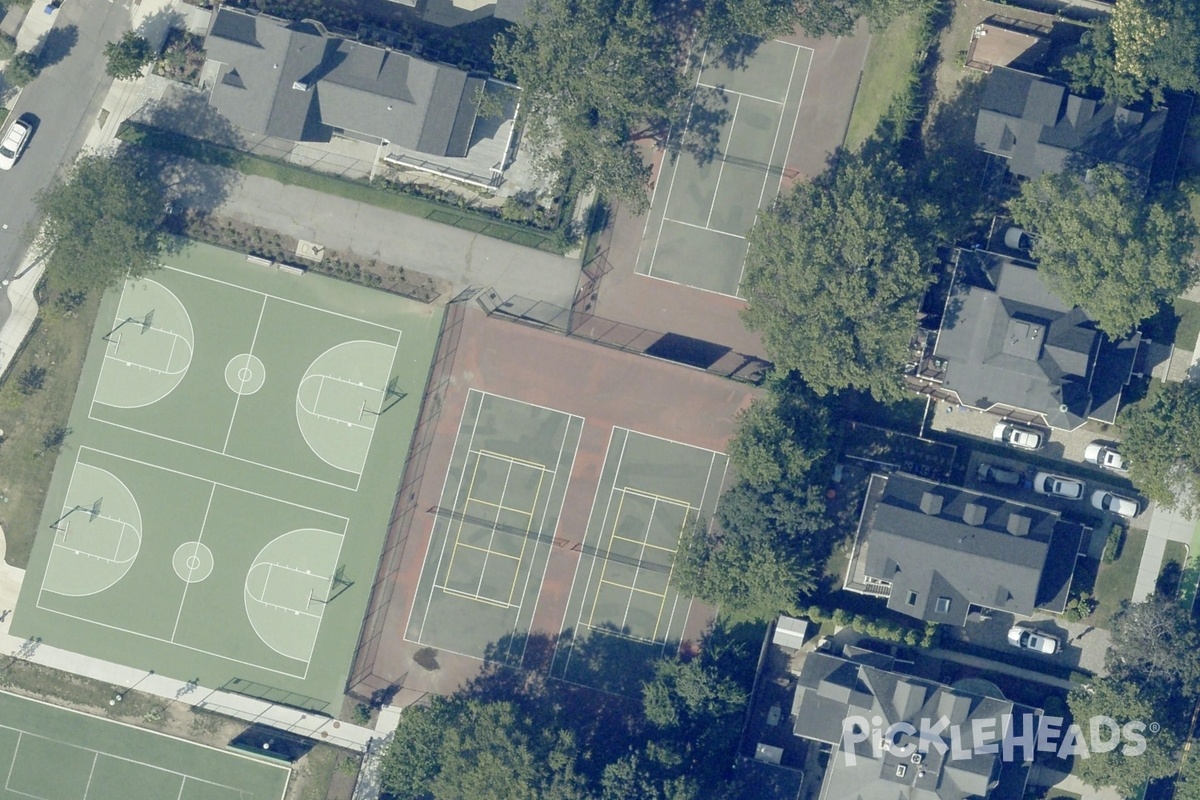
<point x="236" y="443"/>
<point x="50" y="753"/>
<point x="703" y="209"/>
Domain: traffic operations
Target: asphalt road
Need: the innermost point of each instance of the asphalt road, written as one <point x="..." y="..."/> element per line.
<point x="63" y="102"/>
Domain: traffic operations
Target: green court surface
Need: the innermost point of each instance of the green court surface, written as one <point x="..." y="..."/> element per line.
<point x="500" y="504"/>
<point x="623" y="610"/>
<point x="703" y="209"/>
<point x="50" y="753"/>
<point x="236" y="443"/>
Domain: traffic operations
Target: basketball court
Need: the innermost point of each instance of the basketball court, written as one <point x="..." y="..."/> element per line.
<point x="494" y="528"/>
<point x="220" y="504"/>
<point x="702" y="211"/>
<point x="651" y="490"/>
<point x="51" y="753"/>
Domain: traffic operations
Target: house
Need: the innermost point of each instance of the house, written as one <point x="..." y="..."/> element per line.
<point x="835" y="694"/>
<point x="1008" y="345"/>
<point x="937" y="552"/>
<point x="1001" y="41"/>
<point x="294" y="81"/>
<point x="1038" y="126"/>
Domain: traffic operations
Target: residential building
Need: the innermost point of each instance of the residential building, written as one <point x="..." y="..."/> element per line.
<point x="939" y="553"/>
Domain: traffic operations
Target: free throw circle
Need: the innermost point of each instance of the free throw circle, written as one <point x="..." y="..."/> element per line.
<point x="193" y="562"/>
<point x="245" y="374"/>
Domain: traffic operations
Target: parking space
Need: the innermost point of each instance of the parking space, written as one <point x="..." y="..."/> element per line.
<point x="1082" y="645"/>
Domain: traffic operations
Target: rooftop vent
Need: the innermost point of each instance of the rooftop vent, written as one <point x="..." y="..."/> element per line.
<point x="931" y="503"/>
<point x="1018" y="524"/>
<point x="301" y="86"/>
<point x="974" y="514"/>
<point x="900" y="770"/>
<point x="915" y="758"/>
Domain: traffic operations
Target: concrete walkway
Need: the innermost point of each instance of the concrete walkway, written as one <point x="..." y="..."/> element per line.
<point x="1165" y="526"/>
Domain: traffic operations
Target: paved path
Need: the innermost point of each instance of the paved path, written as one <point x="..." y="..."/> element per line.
<point x="1165" y="526"/>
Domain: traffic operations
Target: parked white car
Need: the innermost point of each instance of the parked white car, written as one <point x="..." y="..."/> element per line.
<point x="1105" y="457"/>
<point x="1058" y="486"/>
<point x="1029" y="639"/>
<point x="1115" y="504"/>
<point x="1016" y="436"/>
<point x="14" y="141"/>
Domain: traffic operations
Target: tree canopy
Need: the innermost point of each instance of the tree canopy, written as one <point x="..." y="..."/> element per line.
<point x="596" y="76"/>
<point x="22" y="69"/>
<point x="1103" y="246"/>
<point x="100" y="222"/>
<point x="834" y="278"/>
<point x="127" y="56"/>
<point x="1146" y="46"/>
<point x="1156" y="641"/>
<point x="1163" y="447"/>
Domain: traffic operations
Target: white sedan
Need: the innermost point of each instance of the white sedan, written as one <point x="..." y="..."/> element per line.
<point x="1105" y="457"/>
<point x="1029" y="639"/>
<point x="1015" y="436"/>
<point x="14" y="141"/>
<point x="1058" y="486"/>
<point x="1115" y="504"/>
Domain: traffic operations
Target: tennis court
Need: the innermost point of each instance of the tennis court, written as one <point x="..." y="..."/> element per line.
<point x="51" y="753"/>
<point x="702" y="211"/>
<point x="221" y="504"/>
<point x="494" y="528"/>
<point x="650" y="490"/>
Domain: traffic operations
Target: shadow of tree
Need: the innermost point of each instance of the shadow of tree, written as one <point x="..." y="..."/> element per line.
<point x="154" y="28"/>
<point x="57" y="45"/>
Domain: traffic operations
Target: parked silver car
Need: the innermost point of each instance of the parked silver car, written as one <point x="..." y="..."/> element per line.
<point x="1030" y="639"/>
<point x="1115" y="504"/>
<point x="1017" y="436"/>
<point x="1058" y="486"/>
<point x="1105" y="457"/>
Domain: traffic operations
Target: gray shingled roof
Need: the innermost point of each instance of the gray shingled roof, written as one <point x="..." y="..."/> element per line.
<point x="930" y="557"/>
<point x="1037" y="124"/>
<point x="382" y="94"/>
<point x="1006" y="339"/>
<point x="831" y="689"/>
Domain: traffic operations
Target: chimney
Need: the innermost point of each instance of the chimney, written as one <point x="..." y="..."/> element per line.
<point x="974" y="514"/>
<point x="931" y="503"/>
<point x="1018" y="524"/>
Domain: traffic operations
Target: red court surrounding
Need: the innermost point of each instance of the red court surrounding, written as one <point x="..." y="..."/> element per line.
<point x="605" y="387"/>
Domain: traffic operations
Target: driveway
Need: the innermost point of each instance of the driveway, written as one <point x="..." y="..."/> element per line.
<point x="64" y="100"/>
<point x="460" y="257"/>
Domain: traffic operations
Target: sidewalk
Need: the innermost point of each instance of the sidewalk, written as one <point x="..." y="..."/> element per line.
<point x="1165" y="526"/>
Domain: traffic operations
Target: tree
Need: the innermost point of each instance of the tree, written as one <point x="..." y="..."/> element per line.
<point x="1156" y="642"/>
<point x="1162" y="446"/>
<point x="8" y="46"/>
<point x="54" y="438"/>
<point x="834" y="279"/>
<point x="32" y="379"/>
<point x="22" y="69"/>
<point x="595" y="75"/>
<point x="100" y="222"/>
<point x="779" y="439"/>
<point x="1103" y="246"/>
<point x="1146" y="46"/>
<point x="1122" y="767"/>
<point x="127" y="56"/>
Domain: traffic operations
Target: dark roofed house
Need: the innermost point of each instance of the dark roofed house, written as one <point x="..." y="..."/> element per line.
<point x="832" y="689"/>
<point x="1037" y="124"/>
<point x="1007" y="344"/>
<point x="935" y="552"/>
<point x="296" y="82"/>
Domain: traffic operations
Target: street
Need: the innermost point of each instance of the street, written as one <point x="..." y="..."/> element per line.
<point x="62" y="103"/>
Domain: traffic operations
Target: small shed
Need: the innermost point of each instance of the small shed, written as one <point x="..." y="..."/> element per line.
<point x="768" y="754"/>
<point x="790" y="633"/>
<point x="1002" y="41"/>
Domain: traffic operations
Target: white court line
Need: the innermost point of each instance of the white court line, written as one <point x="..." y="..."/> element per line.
<point x="219" y="453"/>
<point x="725" y="90"/>
<point x="721" y="169"/>
<point x="492" y="537"/>
<point x="638" y="569"/>
<point x="371" y="444"/>
<point x="775" y="143"/>
<point x="442" y="498"/>
<point x="600" y="535"/>
<point x="281" y="299"/>
<point x="557" y="522"/>
<point x="186" y="584"/>
<point x="87" y="787"/>
<point x="238" y="395"/>
<point x="700" y="228"/>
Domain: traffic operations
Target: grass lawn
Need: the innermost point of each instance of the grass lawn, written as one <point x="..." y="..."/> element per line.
<point x="887" y="73"/>
<point x="1189" y="323"/>
<point x="58" y="346"/>
<point x="1114" y="584"/>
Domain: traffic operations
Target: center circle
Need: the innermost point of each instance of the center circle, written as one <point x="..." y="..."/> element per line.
<point x="245" y="374"/>
<point x="192" y="562"/>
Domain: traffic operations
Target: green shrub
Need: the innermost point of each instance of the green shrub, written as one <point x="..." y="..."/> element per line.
<point x="8" y="46"/>
<point x="22" y="69"/>
<point x="1112" y="548"/>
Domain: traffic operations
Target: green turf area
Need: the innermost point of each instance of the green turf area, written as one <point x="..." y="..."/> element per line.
<point x="888" y="73"/>
<point x="1114" y="584"/>
<point x="236" y="443"/>
<point x="51" y="753"/>
<point x="1188" y="331"/>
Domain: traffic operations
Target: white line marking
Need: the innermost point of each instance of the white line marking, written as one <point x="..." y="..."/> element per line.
<point x="199" y="537"/>
<point x="237" y="398"/>
<point x="721" y="169"/>
<point x="699" y="228"/>
<point x="726" y="90"/>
